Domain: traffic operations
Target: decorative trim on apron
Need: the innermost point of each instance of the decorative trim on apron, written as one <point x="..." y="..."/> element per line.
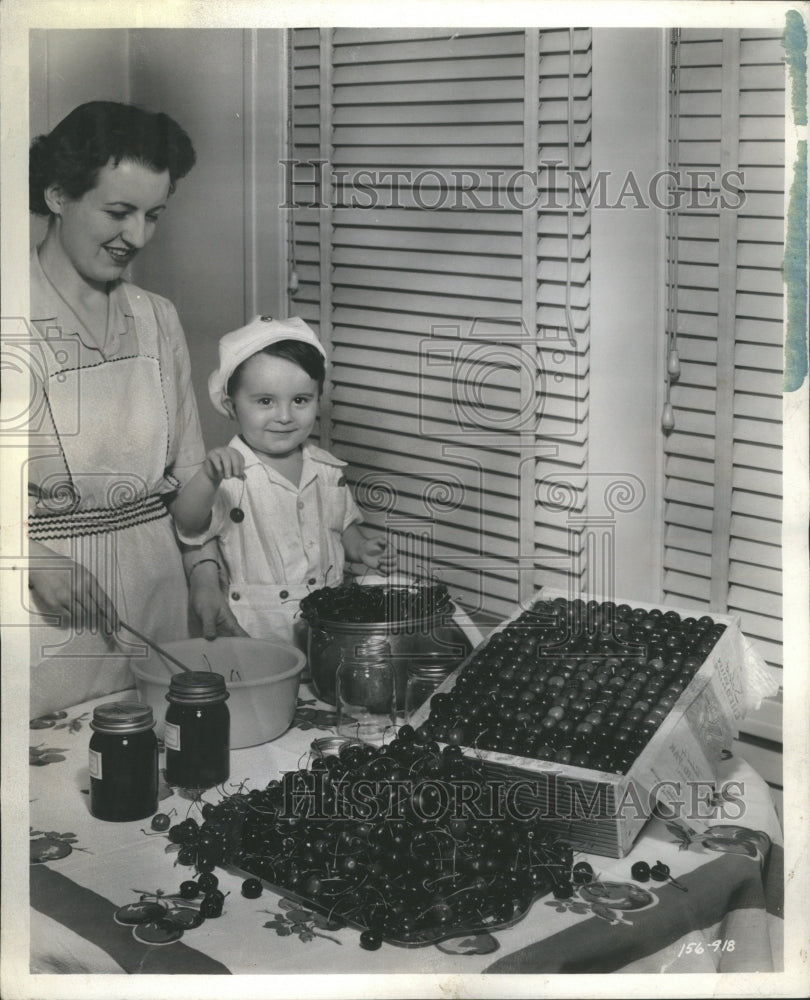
<point x="96" y="522"/>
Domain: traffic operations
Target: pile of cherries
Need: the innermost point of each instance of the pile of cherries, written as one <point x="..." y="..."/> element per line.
<point x="580" y="683"/>
<point x="353" y="602"/>
<point x="392" y="870"/>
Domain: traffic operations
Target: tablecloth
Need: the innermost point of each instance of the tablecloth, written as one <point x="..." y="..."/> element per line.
<point x="83" y="870"/>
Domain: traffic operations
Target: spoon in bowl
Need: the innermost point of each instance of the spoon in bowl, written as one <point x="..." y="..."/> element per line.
<point x="158" y="649"/>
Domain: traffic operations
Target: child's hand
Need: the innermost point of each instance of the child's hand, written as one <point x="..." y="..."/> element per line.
<point x="377" y="554"/>
<point x="223" y="463"/>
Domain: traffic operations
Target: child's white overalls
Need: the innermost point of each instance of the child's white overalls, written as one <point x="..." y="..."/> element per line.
<point x="287" y="544"/>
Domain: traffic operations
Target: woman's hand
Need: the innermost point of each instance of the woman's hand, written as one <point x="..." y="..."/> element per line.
<point x="70" y="590"/>
<point x="208" y="600"/>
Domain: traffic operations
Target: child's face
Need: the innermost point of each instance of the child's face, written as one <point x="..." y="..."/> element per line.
<point x="275" y="405"/>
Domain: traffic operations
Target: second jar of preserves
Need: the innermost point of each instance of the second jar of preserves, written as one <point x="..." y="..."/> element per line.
<point x="198" y="730"/>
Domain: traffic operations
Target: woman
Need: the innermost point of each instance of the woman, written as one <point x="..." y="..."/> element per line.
<point x="114" y="429"/>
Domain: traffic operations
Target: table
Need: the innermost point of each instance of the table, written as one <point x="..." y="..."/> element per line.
<point x="729" y="920"/>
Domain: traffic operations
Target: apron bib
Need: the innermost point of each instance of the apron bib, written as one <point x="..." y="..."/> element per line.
<point x="117" y="449"/>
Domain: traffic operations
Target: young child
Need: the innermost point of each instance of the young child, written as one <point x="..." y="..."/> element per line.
<point x="282" y="511"/>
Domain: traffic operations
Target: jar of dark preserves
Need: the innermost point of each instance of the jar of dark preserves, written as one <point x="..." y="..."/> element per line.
<point x="123" y="762"/>
<point x="198" y="730"/>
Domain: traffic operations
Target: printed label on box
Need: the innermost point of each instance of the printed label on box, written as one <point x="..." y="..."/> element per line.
<point x="730" y="679"/>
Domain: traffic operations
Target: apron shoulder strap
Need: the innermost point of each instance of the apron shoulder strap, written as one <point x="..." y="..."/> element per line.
<point x="144" y="313"/>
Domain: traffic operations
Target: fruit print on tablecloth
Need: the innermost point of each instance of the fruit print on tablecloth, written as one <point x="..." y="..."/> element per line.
<point x="469" y="944"/>
<point x="160" y="918"/>
<point x="41" y="755"/>
<point x="296" y="919"/>
<point x="59" y="720"/>
<point x="610" y="901"/>
<point x="724" y="837"/>
<point x="307" y="717"/>
<point x="50" y="845"/>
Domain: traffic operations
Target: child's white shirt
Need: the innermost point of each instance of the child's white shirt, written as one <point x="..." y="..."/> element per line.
<point x="289" y="541"/>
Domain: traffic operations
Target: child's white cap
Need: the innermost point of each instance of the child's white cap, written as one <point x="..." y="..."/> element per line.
<point x="238" y="345"/>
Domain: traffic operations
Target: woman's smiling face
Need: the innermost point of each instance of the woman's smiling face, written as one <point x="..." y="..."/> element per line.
<point x="101" y="232"/>
<point x="275" y="405"/>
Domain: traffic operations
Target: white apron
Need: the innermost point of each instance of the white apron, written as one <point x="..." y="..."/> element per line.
<point x="104" y="511"/>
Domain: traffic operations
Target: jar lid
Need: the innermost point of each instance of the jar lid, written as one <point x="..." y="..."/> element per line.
<point x="326" y="745"/>
<point x="431" y="670"/>
<point x="195" y="687"/>
<point x="122" y="717"/>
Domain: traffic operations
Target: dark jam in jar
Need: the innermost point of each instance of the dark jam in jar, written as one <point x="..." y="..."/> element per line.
<point x="123" y="762"/>
<point x="198" y="730"/>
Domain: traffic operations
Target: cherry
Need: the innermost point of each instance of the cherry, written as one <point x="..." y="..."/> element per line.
<point x="641" y="871"/>
<point x="582" y="873"/>
<point x="211" y="905"/>
<point x="207" y="881"/>
<point x="189" y="889"/>
<point x="186" y="855"/>
<point x="660" y="872"/>
<point x="252" y="888"/>
<point x="160" y="821"/>
<point x="563" y="890"/>
<point x="371" y="940"/>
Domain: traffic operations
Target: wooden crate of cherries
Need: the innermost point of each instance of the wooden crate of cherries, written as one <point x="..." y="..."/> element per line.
<point x="597" y="711"/>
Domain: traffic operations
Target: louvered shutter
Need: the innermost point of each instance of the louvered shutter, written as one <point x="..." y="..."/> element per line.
<point x="724" y="457"/>
<point x="457" y="328"/>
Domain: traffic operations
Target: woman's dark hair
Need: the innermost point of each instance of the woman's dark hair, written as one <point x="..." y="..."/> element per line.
<point x="72" y="154"/>
<point x="300" y="353"/>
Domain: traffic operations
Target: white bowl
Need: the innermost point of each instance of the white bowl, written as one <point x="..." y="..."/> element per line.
<point x="262" y="676"/>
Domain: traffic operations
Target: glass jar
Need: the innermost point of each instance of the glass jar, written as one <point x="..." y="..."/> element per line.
<point x="123" y="762"/>
<point x="366" y="691"/>
<point x="197" y="734"/>
<point x="424" y="677"/>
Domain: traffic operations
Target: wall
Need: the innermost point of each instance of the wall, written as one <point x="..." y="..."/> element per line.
<point x="627" y="296"/>
<point x="204" y="257"/>
<point x="59" y="80"/>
